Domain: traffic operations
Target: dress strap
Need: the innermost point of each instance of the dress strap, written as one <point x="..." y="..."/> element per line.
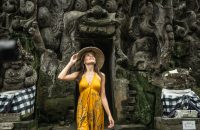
<point x="94" y="76"/>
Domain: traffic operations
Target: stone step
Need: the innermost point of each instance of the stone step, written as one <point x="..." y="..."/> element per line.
<point x="132" y="92"/>
<point x="64" y="128"/>
<point x="162" y="123"/>
<point x="19" y="125"/>
<point x="129" y="127"/>
<point x="131" y="88"/>
<point x="71" y="111"/>
<point x="57" y="127"/>
<point x="131" y="100"/>
<point x="127" y="112"/>
<point x="128" y="108"/>
<point x="117" y="127"/>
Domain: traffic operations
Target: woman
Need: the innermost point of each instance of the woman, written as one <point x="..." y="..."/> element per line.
<point x="92" y="99"/>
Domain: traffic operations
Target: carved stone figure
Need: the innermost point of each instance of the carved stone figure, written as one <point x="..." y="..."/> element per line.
<point x="37" y="38"/>
<point x="26" y="7"/>
<point x="144" y="50"/>
<point x="8" y="9"/>
<point x="19" y="74"/>
<point x="9" y="6"/>
<point x="69" y="44"/>
<point x="16" y="17"/>
<point x="50" y="19"/>
<point x="151" y="27"/>
<point x="186" y="22"/>
<point x="101" y="19"/>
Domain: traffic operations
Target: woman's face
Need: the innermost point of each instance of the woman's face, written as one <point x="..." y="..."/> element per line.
<point x="89" y="58"/>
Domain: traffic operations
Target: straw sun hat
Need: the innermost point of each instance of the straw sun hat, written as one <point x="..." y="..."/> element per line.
<point x="99" y="56"/>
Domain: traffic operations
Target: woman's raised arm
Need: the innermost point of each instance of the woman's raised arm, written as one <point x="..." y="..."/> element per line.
<point x="63" y="74"/>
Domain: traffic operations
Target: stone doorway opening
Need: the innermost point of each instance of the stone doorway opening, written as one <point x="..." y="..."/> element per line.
<point x="106" y="45"/>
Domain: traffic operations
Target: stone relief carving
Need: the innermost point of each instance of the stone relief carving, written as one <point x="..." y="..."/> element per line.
<point x="18" y="17"/>
<point x="19" y="74"/>
<point x="15" y="16"/>
<point x="153" y="34"/>
<point x="102" y="19"/>
<point x="186" y="24"/>
<point x="18" y="84"/>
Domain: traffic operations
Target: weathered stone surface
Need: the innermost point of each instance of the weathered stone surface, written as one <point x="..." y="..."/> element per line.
<point x="121" y="89"/>
<point x="57" y="109"/>
<point x="174" y="124"/>
<point x="10" y="117"/>
<point x="28" y="125"/>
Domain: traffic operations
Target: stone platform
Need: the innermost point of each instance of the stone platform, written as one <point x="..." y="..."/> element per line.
<point x="20" y="125"/>
<point x="117" y="127"/>
<point x="174" y="124"/>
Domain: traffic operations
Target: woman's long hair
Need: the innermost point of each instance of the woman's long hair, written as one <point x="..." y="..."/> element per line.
<point x="83" y="68"/>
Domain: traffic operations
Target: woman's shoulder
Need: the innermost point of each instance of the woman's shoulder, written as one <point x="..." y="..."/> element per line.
<point x="101" y="75"/>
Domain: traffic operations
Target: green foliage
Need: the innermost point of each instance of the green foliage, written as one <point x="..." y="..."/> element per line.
<point x="143" y="112"/>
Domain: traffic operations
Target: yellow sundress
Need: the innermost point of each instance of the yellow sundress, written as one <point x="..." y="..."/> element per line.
<point x="90" y="114"/>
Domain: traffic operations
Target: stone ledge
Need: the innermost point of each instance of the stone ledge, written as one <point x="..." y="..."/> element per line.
<point x="129" y="127"/>
<point x="117" y="127"/>
<point x="28" y="125"/>
<point x="9" y="117"/>
<point x="173" y="123"/>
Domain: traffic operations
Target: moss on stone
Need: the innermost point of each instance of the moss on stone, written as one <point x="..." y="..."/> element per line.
<point x="121" y="73"/>
<point x="197" y="91"/>
<point x="143" y="112"/>
<point x="57" y="108"/>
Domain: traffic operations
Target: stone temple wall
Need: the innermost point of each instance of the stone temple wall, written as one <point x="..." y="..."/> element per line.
<point x="142" y="40"/>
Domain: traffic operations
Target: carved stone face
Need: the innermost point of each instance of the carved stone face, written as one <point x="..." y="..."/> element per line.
<point x="67" y="4"/>
<point x="16" y="64"/>
<point x="44" y="17"/>
<point x="29" y="7"/>
<point x="146" y="11"/>
<point x="14" y="76"/>
<point x="101" y="19"/>
<point x="141" y="60"/>
<point x="9" y="6"/>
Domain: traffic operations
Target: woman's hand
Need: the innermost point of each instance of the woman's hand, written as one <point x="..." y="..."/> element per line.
<point x="74" y="58"/>
<point x="111" y="122"/>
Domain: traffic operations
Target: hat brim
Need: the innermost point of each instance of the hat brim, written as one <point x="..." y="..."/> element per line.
<point x="99" y="56"/>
